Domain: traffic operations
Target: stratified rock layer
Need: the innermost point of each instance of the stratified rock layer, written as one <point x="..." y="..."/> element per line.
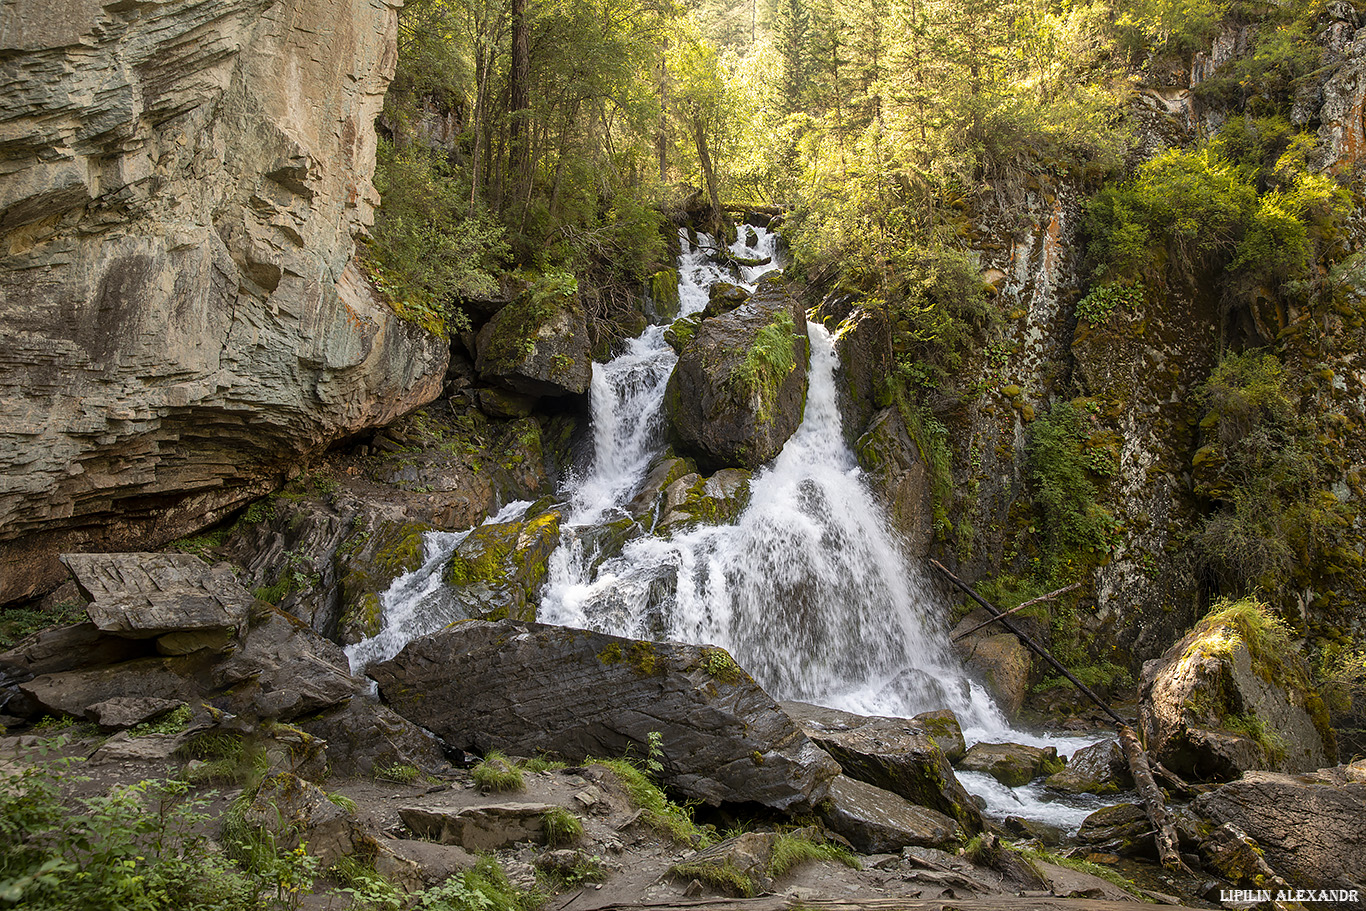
<point x="180" y="315"/>
<point x="528" y="688"/>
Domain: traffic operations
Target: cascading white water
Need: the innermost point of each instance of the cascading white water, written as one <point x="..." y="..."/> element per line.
<point x="807" y="589"/>
<point x="418" y="603"/>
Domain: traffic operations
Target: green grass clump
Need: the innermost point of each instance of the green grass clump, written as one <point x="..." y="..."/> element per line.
<point x="767" y="363"/>
<point x="498" y="773"/>
<point x="724" y="876"/>
<point x="227" y="760"/>
<point x="399" y="773"/>
<point x="561" y="827"/>
<point x="662" y="814"/>
<point x="172" y="722"/>
<point x="483" y="887"/>
<point x="794" y="849"/>
<point x="1084" y="866"/>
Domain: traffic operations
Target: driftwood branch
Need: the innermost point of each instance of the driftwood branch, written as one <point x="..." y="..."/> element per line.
<point x="1029" y="643"/>
<point x="1019" y="607"/>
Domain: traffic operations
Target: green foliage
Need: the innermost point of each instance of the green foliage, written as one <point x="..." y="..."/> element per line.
<point x="1271" y="517"/>
<point x="767" y="363"/>
<point x="427" y="251"/>
<point x="138" y="846"/>
<point x="662" y="814"/>
<point x="399" y="773"/>
<point x="369" y="890"/>
<point x="18" y="623"/>
<point x="1085" y="866"/>
<point x="483" y="887"/>
<point x="1102" y="300"/>
<point x="496" y="772"/>
<point x="172" y="722"/>
<point x="1166" y="27"/>
<point x="1075" y="526"/>
<point x="561" y="827"/>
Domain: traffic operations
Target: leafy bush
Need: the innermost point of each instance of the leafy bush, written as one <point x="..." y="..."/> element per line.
<point x="1105" y="299"/>
<point x="1074" y="524"/>
<point x="138" y="846"/>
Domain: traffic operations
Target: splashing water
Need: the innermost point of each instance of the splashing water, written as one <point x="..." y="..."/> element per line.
<point x="418" y="603"/>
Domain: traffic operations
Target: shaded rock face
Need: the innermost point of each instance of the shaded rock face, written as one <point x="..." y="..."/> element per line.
<point x="895" y="754"/>
<point x="1210" y="710"/>
<point x="1097" y="769"/>
<point x="528" y="688"/>
<point x="180" y="315"/>
<point x="898" y="472"/>
<point x="1310" y="828"/>
<point x="737" y="392"/>
<point x="498" y="571"/>
<point x="999" y="658"/>
<point x="1122" y="829"/>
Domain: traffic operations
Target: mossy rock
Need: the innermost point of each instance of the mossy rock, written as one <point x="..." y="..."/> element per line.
<point x="537" y="345"/>
<point x="664" y="294"/>
<point x="498" y="570"/>
<point x="694" y="500"/>
<point x="1012" y="764"/>
<point x="681" y="331"/>
<point x="367" y="563"/>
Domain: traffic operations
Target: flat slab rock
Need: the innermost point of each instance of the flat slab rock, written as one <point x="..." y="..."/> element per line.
<point x="141" y="596"/>
<point x="528" y="688"/>
<point x="482" y="828"/>
<point x="880" y="822"/>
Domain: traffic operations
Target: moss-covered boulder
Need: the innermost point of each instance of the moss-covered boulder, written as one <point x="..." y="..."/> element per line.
<point x="367" y="562"/>
<point x="1233" y="695"/>
<point x="998" y="658"/>
<point x="739" y="388"/>
<point x="1012" y="764"/>
<point x="498" y="570"/>
<point x="694" y="500"/>
<point x="1122" y="829"/>
<point x="681" y="331"/>
<point x="663" y="299"/>
<point x="899" y="474"/>
<point x="724" y="297"/>
<point x="537" y="345"/>
<point x="943" y="726"/>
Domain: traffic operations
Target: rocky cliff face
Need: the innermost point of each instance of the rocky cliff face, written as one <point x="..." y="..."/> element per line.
<point x="181" y="319"/>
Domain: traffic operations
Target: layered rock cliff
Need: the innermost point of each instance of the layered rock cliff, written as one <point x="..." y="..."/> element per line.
<point x="181" y="317"/>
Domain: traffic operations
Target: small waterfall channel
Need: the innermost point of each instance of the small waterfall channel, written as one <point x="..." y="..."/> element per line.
<point x="807" y="588"/>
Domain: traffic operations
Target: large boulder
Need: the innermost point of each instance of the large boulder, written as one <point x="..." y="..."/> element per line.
<point x="1098" y="769"/>
<point x="880" y="822"/>
<point x="146" y="596"/>
<point x="527" y="688"/>
<point x="182" y="321"/>
<point x="537" y="345"/>
<point x="498" y="570"/>
<point x="364" y="737"/>
<point x="739" y="388"/>
<point x="895" y="754"/>
<point x="1230" y="696"/>
<point x="1310" y="828"/>
<point x="897" y="471"/>
<point x="694" y="500"/>
<point x="1012" y="764"/>
<point x="998" y="658"/>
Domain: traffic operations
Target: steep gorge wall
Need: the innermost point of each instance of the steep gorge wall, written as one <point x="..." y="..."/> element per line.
<point x="181" y="318"/>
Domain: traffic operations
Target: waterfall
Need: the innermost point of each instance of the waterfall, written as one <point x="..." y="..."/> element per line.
<point x="807" y="589"/>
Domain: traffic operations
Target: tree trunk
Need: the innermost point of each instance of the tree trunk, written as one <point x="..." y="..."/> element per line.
<point x="519" y="98"/>
<point x="708" y="173"/>
<point x="1168" y="848"/>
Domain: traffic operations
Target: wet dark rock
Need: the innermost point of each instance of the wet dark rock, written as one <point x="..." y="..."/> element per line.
<point x="363" y="737"/>
<point x="68" y="648"/>
<point x="738" y="390"/>
<point x="876" y="821"/>
<point x="894" y="754"/>
<point x="694" y="500"/>
<point x="283" y="669"/>
<point x="538" y="688"/>
<point x="724" y="297"/>
<point x="1123" y="829"/>
<point x="1097" y="769"/>
<point x="502" y="403"/>
<point x="1012" y="764"/>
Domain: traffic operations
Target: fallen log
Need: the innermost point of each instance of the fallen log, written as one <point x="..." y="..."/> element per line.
<point x="1019" y="607"/>
<point x="1164" y="833"/>
<point x="1029" y="643"/>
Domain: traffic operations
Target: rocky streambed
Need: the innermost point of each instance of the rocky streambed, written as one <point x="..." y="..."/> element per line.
<point x="565" y="754"/>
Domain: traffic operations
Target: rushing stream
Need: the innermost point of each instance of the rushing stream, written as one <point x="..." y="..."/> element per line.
<point x="807" y="589"/>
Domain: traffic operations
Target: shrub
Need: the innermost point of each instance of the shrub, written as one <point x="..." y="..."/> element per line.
<point x="1074" y="524"/>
